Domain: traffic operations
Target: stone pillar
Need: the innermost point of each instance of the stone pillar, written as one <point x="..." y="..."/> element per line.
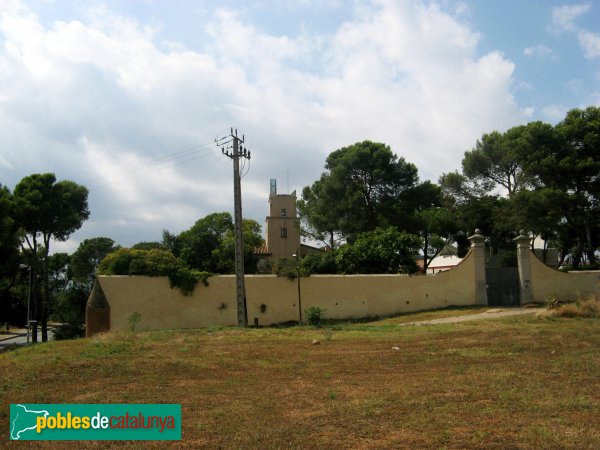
<point x="478" y="250"/>
<point x="524" y="263"/>
<point x="97" y="312"/>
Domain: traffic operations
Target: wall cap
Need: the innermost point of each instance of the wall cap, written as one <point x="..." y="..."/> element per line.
<point x="477" y="238"/>
<point x="522" y="238"/>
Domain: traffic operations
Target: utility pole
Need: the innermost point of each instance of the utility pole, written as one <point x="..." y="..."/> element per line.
<point x="235" y="152"/>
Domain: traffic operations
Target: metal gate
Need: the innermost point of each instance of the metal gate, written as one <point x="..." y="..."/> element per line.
<point x="502" y="286"/>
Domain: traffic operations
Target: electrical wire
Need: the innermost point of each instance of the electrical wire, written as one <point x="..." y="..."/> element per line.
<point x="133" y="174"/>
<point x="157" y="161"/>
<point x="178" y="158"/>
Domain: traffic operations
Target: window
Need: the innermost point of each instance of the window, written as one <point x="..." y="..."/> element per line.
<point x="284" y="232"/>
<point x="283" y="212"/>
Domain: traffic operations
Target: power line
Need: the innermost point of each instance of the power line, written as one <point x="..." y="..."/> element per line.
<point x="153" y="162"/>
<point x="136" y="173"/>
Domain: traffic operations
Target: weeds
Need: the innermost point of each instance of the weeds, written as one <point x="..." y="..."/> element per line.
<point x="133" y="320"/>
<point x="590" y="307"/>
<point x="314" y="315"/>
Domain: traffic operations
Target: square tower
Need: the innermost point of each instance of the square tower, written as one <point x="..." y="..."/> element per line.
<point x="283" y="230"/>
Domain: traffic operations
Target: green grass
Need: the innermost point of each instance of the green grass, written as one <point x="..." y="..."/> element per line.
<point x="516" y="382"/>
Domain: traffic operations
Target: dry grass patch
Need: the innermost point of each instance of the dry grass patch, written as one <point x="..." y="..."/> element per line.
<point x="589" y="307"/>
<point x="519" y="382"/>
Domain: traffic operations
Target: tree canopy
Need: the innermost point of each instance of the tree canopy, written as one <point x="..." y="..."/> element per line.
<point x="209" y="245"/>
<point x="365" y="186"/>
<point x="47" y="209"/>
<point x="538" y="177"/>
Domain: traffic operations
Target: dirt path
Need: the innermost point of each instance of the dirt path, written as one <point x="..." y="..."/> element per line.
<point x="489" y="314"/>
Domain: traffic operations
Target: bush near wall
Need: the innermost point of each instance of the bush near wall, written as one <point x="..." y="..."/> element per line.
<point x="153" y="263"/>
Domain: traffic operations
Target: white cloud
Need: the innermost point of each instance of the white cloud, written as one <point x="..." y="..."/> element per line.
<point x="554" y="113"/>
<point x="462" y="9"/>
<point x="590" y="43"/>
<point x="540" y="51"/>
<point x="576" y="86"/>
<point x="563" y="17"/>
<point x="529" y="111"/>
<point x="95" y="99"/>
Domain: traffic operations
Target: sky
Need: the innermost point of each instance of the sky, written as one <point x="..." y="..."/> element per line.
<point x="127" y="96"/>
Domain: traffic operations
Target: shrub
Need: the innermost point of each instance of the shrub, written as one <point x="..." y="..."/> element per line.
<point x="314" y="314"/>
<point x="383" y="250"/>
<point x="154" y="263"/>
<point x="319" y="263"/>
<point x="589" y="307"/>
<point x="186" y="279"/>
<point x="68" y="331"/>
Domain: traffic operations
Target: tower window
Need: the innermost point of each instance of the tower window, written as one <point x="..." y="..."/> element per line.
<point x="283" y="212"/>
<point x="284" y="232"/>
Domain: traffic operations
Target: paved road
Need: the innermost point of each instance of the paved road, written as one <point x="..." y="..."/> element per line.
<point x="489" y="314"/>
<point x="19" y="337"/>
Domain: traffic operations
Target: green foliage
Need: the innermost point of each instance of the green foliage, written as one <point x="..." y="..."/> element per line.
<point x="47" y="209"/>
<point x="209" y="245"/>
<point x="384" y="250"/>
<point x="10" y="304"/>
<point x="319" y="263"/>
<point x="148" y="246"/>
<point x="550" y="177"/>
<point x="186" y="279"/>
<point x="314" y="315"/>
<point x="55" y="209"/>
<point x="70" y="310"/>
<point x="87" y="257"/>
<point x="68" y="331"/>
<point x="133" y="320"/>
<point x="365" y="186"/>
<point x="153" y="263"/>
<point x="9" y="241"/>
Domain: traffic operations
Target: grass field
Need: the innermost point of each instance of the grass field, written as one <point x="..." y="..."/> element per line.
<point x="518" y="382"/>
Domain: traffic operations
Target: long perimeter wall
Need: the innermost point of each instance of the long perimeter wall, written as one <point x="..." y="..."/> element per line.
<point x="272" y="299"/>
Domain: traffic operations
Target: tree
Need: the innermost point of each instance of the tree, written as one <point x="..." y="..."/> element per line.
<point x="252" y="239"/>
<point x="47" y="209"/>
<point x="562" y="163"/>
<point x="383" y="250"/>
<point x="573" y="168"/>
<point x="10" y="306"/>
<point x="365" y="186"/>
<point x="487" y="194"/>
<point x="319" y="221"/>
<point x="209" y="245"/>
<point x="147" y="246"/>
<point x="87" y="257"/>
<point x="319" y="263"/>
<point x="431" y="220"/>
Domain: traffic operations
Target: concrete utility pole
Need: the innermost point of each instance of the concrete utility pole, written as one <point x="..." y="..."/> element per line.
<point x="237" y="152"/>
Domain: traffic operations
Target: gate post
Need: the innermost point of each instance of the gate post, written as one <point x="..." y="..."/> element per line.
<point x="524" y="263"/>
<point x="478" y="250"/>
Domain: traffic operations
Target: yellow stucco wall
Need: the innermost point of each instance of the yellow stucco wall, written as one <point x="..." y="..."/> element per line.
<point x="549" y="283"/>
<point x="343" y="296"/>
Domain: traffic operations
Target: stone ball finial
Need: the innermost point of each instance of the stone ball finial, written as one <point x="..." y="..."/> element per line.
<point x="477" y="231"/>
<point x="522" y="232"/>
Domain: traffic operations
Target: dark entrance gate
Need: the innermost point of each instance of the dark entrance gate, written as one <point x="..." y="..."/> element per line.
<point x="502" y="286"/>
